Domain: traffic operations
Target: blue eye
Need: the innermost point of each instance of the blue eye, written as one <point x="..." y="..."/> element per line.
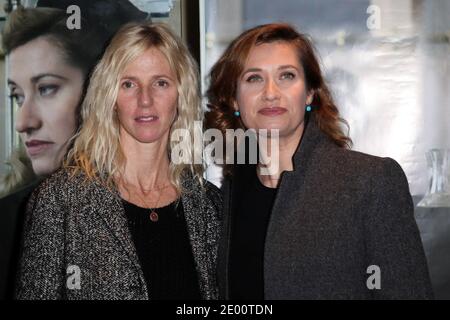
<point x="288" y="75"/>
<point x="254" y="78"/>
<point x="48" y="90"/>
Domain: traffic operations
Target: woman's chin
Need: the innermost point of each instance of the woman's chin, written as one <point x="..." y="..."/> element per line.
<point x="149" y="138"/>
<point x="271" y="126"/>
<point x="43" y="167"/>
<point x="270" y="123"/>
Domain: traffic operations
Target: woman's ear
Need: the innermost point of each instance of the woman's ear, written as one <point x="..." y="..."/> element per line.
<point x="235" y="106"/>
<point x="310" y="97"/>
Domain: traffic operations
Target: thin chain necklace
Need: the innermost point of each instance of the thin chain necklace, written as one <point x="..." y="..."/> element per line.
<point x="153" y="214"/>
<point x="154" y="217"/>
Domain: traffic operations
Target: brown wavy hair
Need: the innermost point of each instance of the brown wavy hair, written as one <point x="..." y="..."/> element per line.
<point x="226" y="71"/>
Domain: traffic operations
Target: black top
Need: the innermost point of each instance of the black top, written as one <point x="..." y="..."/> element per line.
<point x="164" y="251"/>
<point x="12" y="217"/>
<point x="247" y="244"/>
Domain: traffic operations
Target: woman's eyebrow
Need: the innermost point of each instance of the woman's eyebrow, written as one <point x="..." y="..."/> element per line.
<point x="287" y="66"/>
<point x="129" y="77"/>
<point x="38" y="77"/>
<point x="253" y="70"/>
<point x="250" y="70"/>
<point x="155" y="76"/>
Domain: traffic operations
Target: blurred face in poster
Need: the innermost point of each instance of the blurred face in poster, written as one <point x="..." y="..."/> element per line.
<point x="48" y="91"/>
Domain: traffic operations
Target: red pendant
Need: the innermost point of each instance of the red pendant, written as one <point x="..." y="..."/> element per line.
<point x="154" y="216"/>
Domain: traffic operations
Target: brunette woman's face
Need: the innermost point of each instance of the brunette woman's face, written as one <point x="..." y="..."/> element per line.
<point x="272" y="91"/>
<point x="48" y="91"/>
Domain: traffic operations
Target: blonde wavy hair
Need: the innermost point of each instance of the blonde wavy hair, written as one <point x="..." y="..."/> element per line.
<point x="96" y="148"/>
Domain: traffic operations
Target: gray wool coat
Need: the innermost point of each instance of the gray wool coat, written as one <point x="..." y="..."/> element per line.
<point x="77" y="228"/>
<point x="338" y="213"/>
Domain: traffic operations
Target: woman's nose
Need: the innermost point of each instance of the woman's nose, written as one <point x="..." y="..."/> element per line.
<point x="28" y="117"/>
<point x="271" y="90"/>
<point x="145" y="98"/>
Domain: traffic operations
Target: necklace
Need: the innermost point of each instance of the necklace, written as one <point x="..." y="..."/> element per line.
<point x="154" y="217"/>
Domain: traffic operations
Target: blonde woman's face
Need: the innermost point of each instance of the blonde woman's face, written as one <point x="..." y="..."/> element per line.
<point x="47" y="91"/>
<point x="147" y="99"/>
<point x="272" y="90"/>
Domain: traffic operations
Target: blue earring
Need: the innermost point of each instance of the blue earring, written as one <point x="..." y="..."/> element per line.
<point x="237" y="113"/>
<point x="308" y="108"/>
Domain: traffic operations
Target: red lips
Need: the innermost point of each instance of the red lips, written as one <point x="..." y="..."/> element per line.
<point x="272" y="111"/>
<point x="35" y="147"/>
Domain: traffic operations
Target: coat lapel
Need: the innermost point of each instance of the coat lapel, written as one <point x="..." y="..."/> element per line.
<point x="225" y="238"/>
<point x="110" y="209"/>
<point x="311" y="140"/>
<point x="194" y="208"/>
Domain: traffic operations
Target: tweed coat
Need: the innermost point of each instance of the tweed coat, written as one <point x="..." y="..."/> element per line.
<point x="335" y="216"/>
<point x="77" y="244"/>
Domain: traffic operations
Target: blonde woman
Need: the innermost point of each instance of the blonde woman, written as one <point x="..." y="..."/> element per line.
<point x="48" y="73"/>
<point x="121" y="220"/>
